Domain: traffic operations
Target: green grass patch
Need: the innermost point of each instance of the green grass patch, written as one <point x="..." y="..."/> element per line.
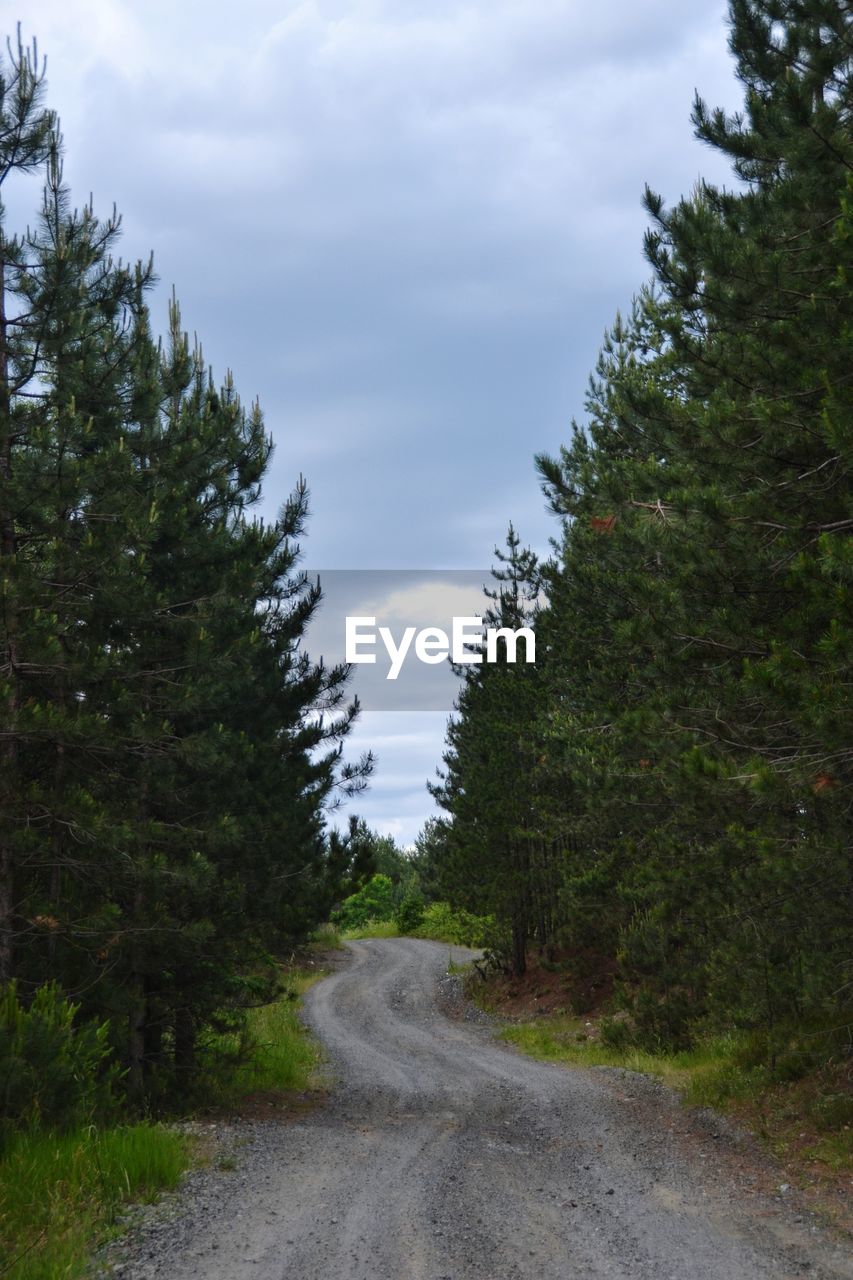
<point x="326" y="937"/>
<point x="372" y="929"/>
<point x="273" y="1053"/>
<point x="59" y="1194"/>
<point x="718" y="1071"/>
<point x="802" y="1111"/>
<point x="565" y="1039"/>
<point x="834" y="1150"/>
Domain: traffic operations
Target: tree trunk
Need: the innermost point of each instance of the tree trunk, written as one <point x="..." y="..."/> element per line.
<point x="137" y="1019"/>
<point x="184" y="1042"/>
<point x="8" y="741"/>
<point x="57" y="851"/>
<point x="519" y="949"/>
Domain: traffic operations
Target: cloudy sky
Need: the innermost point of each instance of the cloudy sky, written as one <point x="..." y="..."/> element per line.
<point x="404" y="225"/>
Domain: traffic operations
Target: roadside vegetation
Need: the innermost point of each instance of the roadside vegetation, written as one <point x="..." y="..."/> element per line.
<point x="60" y="1192"/>
<point x="385" y="909"/>
<point x="69" y="1161"/>
<point x="662" y="801"/>
<point x="393" y="893"/>
<point x="270" y="1054"/>
<point x="439" y="923"/>
<point x="793" y="1092"/>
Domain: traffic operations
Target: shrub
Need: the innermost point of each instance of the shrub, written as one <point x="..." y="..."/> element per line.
<point x="53" y="1073"/>
<point x="617" y="1033"/>
<point x="448" y="924"/>
<point x="375" y="901"/>
<point x="410" y="913"/>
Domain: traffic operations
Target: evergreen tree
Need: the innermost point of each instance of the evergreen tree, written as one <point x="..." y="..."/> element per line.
<point x="170" y="750"/>
<point x="717" y="464"/>
<point x="685" y="763"/>
<point x="66" y="315"/>
<point x="487" y="860"/>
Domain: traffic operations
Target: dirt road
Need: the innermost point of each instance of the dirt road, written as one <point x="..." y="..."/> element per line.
<point x="441" y="1155"/>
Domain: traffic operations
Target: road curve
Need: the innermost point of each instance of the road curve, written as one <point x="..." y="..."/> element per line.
<point x="442" y="1155"/>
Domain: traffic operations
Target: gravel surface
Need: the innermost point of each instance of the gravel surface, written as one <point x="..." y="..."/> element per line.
<point x="442" y="1155"/>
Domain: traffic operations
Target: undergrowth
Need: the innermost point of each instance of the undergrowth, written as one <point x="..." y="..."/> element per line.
<point x="439" y="923"/>
<point x="372" y="929"/>
<point x="60" y="1192"/>
<point x="800" y="1106"/>
<point x="271" y="1053"/>
<point x="326" y="937"/>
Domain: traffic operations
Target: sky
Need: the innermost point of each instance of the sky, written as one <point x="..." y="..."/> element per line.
<point x="404" y="225"/>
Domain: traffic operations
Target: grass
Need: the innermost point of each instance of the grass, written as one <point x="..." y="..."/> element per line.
<point x="835" y="1151"/>
<point x="326" y="937"/>
<point x="802" y="1113"/>
<point x="274" y="1054"/>
<point x="695" y="1072"/>
<point x="372" y="929"/>
<point x="60" y="1193"/>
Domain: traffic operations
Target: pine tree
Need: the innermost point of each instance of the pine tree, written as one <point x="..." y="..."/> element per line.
<point x="66" y="308"/>
<point x="170" y="750"/>
<point x="709" y="520"/>
<point x="488" y="862"/>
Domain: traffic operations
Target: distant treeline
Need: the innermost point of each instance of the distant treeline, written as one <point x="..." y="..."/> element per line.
<point x="167" y="750"/>
<point x="666" y="797"/>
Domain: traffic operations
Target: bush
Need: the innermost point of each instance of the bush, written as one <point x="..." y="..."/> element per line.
<point x="617" y="1033"/>
<point x="444" y="923"/>
<point x="410" y="913"/>
<point x="53" y="1073"/>
<point x="375" y="901"/>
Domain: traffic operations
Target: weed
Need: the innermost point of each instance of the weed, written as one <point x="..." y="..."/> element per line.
<point x="372" y="929"/>
<point x="805" y="1118"/>
<point x="326" y="937"/>
<point x="60" y="1192"/>
<point x="272" y="1053"/>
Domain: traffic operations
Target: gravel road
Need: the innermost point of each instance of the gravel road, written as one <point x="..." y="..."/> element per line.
<point x="442" y="1155"/>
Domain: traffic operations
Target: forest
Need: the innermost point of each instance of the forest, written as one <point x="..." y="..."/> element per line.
<point x="665" y="798"/>
<point x="168" y="752"/>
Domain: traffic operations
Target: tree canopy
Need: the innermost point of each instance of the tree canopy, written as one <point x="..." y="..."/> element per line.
<point x="684" y="752"/>
<point x="168" y="750"/>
